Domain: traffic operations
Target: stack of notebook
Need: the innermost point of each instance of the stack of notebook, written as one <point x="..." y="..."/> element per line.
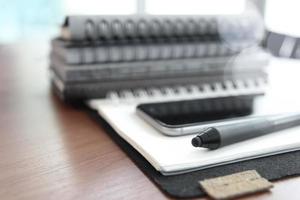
<point x="96" y="56"/>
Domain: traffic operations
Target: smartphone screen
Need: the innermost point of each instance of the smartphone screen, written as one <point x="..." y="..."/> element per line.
<point x="191" y="112"/>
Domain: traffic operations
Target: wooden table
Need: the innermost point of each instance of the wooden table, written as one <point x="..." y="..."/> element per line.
<point x="49" y="150"/>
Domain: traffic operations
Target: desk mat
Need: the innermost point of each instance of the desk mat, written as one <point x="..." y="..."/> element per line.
<point x="186" y="185"/>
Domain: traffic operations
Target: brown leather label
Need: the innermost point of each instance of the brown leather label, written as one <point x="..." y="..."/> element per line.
<point x="235" y="185"/>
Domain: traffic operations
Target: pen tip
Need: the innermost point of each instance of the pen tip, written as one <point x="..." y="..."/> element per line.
<point x="197" y="142"/>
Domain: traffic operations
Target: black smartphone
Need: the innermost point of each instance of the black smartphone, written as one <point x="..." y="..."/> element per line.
<point x="189" y="116"/>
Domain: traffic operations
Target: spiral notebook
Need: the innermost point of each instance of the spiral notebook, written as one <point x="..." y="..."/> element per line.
<point x="118" y="109"/>
<point x="175" y="155"/>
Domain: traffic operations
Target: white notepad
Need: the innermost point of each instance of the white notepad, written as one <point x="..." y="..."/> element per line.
<point x="175" y="155"/>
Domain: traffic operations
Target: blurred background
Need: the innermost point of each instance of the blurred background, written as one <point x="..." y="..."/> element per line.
<point x="42" y="18"/>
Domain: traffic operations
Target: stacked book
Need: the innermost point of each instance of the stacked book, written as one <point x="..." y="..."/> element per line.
<point x="97" y="55"/>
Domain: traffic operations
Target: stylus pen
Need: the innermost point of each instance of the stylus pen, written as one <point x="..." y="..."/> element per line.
<point x="222" y="135"/>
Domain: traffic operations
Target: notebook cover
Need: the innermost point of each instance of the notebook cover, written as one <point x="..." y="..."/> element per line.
<point x="186" y="185"/>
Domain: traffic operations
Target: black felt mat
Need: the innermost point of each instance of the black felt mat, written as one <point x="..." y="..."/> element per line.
<point x="186" y="185"/>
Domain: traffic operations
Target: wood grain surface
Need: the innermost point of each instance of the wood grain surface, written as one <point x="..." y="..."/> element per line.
<point x="49" y="150"/>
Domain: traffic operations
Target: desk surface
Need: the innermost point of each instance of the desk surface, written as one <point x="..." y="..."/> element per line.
<point x="49" y="150"/>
